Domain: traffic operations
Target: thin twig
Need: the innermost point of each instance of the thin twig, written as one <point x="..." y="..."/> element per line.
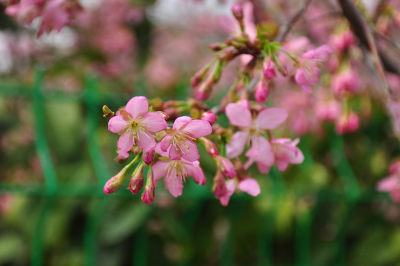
<point x="288" y="26"/>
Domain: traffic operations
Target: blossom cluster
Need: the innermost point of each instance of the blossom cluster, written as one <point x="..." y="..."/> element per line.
<point x="54" y="14"/>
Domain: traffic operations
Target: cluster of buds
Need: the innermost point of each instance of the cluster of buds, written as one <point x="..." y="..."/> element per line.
<point x="54" y="14"/>
<point x="262" y="59"/>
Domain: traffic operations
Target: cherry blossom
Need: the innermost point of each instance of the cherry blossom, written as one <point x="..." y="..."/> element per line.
<point x="286" y="152"/>
<point x="180" y="141"/>
<point x="136" y="124"/>
<point x="253" y="130"/>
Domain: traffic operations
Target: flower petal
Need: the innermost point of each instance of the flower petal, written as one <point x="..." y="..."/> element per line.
<point x="194" y="170"/>
<point x="137" y="106"/>
<point x="189" y="151"/>
<point x="166" y="142"/>
<point x="173" y="183"/>
<point x="250" y="186"/>
<point x="117" y="124"/>
<point x="198" y="128"/>
<point x="230" y="188"/>
<point x="125" y="144"/>
<point x="159" y="169"/>
<point x="261" y="153"/>
<point x="145" y="140"/>
<point x="180" y="122"/>
<point x="271" y="118"/>
<point x="236" y="146"/>
<point x="238" y="115"/>
<point x="154" y="122"/>
<point x="173" y="153"/>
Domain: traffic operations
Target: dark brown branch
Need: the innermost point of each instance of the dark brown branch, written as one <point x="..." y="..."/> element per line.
<point x="288" y="26"/>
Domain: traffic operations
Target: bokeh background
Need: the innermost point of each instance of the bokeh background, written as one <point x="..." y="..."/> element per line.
<point x="56" y="153"/>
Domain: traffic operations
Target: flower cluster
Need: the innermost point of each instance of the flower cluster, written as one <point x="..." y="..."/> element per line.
<point x="169" y="152"/>
<point x="54" y="14"/>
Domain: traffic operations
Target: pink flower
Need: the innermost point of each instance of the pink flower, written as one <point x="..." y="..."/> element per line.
<point x="343" y="41"/>
<point x="307" y="75"/>
<point x="346" y="81"/>
<point x="227" y="188"/>
<point x="54" y="16"/>
<point x="347" y="123"/>
<point x="180" y="143"/>
<point x="391" y="183"/>
<point x="175" y="172"/>
<point x="253" y="130"/>
<point x="136" y="123"/>
<point x="286" y="153"/>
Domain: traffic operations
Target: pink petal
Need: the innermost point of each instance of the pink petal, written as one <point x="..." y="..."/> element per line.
<point x="165" y="142"/>
<point x="282" y="164"/>
<point x="236" y="146"/>
<point x="137" y="106"/>
<point x="230" y="188"/>
<point x="194" y="170"/>
<point x="117" y="124"/>
<point x="173" y="183"/>
<point x="250" y="186"/>
<point x="125" y="144"/>
<point x="388" y="184"/>
<point x="174" y="154"/>
<point x="181" y="121"/>
<point x="271" y="118"/>
<point x="154" y="122"/>
<point x="159" y="169"/>
<point x="189" y="151"/>
<point x="145" y="140"/>
<point x="261" y="153"/>
<point x="198" y="128"/>
<point x="160" y="151"/>
<point x="238" y="115"/>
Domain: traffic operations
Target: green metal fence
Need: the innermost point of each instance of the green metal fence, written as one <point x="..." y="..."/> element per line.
<point x="349" y="193"/>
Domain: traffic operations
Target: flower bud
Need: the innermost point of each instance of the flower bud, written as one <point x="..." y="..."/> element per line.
<point x="261" y="92"/>
<point x="217" y="72"/>
<point x="210" y="146"/>
<point x="114" y="183"/>
<point x="237" y="11"/>
<point x="219" y="185"/>
<point x="148" y="157"/>
<point x="269" y="69"/>
<point x="136" y="182"/>
<point x="347" y="123"/>
<point x="205" y="90"/>
<point x="148" y="193"/>
<point x="107" y="112"/>
<point x="216" y="47"/>
<point x="226" y="166"/>
<point x="209" y="116"/>
<point x="200" y="75"/>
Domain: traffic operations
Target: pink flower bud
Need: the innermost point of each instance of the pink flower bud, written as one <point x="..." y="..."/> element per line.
<point x="148" y="156"/>
<point x="226" y="166"/>
<point x="237" y="11"/>
<point x="205" y="90"/>
<point x="219" y="185"/>
<point x="148" y="193"/>
<point x="114" y="183"/>
<point x="346" y="81"/>
<point x="262" y="92"/>
<point x="209" y="116"/>
<point x="269" y="69"/>
<point x="347" y="123"/>
<point x="137" y="179"/>
<point x="210" y="146"/>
